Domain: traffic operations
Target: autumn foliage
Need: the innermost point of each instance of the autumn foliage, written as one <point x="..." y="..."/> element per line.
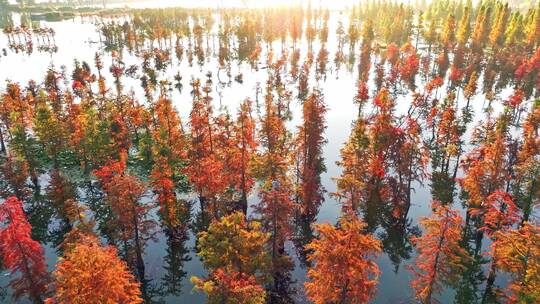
<point x="234" y="288"/>
<point x="211" y="125"/>
<point x="21" y="254"/>
<point x="233" y="250"/>
<point x="91" y="273"/>
<point x="440" y="256"/>
<point x="309" y="148"/>
<point x="167" y="153"/>
<point x="344" y="270"/>
<point x="517" y="251"/>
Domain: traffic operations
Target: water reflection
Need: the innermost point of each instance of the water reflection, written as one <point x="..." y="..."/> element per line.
<point x="396" y="239"/>
<point x="468" y="287"/>
<point x="39" y="213"/>
<point x="282" y="289"/>
<point x="442" y="187"/>
<point x="303" y="235"/>
<point x="175" y="259"/>
<point x="26" y="35"/>
<point x="389" y="218"/>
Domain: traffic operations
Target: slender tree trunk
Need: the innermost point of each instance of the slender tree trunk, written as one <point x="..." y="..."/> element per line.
<point x="138" y="252"/>
<point x="2" y="143"/>
<point x="527" y="208"/>
<point x="488" y="293"/>
<point x="427" y="300"/>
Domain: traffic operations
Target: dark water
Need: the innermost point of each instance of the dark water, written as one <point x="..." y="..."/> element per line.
<point x="78" y="39"/>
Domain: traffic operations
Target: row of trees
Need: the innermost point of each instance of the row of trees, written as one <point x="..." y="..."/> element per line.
<point x="111" y="168"/>
<point x="465" y="43"/>
<point x="140" y="157"/>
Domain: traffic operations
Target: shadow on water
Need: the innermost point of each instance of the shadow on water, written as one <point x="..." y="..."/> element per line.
<point x="175" y="253"/>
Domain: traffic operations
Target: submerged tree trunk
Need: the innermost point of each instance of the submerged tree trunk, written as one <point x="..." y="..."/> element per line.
<point x="2" y="143"/>
<point x="488" y="295"/>
<point x="138" y="252"/>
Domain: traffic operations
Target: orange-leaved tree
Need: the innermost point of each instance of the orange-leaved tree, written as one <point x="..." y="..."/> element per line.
<point x="245" y="146"/>
<point x="310" y="141"/>
<point x="486" y="167"/>
<point x="168" y="154"/>
<point x="123" y="193"/>
<point x="271" y="168"/>
<point x="344" y="270"/>
<point x="518" y="253"/>
<point x="440" y="256"/>
<point x="498" y="214"/>
<point x="93" y="274"/>
<point x="205" y="167"/>
<point x="528" y="163"/>
<point x="81" y="225"/>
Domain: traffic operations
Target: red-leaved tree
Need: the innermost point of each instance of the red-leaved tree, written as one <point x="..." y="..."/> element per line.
<point x="21" y="254"/>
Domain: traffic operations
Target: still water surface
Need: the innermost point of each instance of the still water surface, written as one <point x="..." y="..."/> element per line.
<point x="79" y="39"/>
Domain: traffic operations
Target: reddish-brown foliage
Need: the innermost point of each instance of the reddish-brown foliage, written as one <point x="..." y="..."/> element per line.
<point x="310" y="142"/>
<point x="206" y="168"/>
<point x="167" y="153"/>
<point x="20" y="253"/>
